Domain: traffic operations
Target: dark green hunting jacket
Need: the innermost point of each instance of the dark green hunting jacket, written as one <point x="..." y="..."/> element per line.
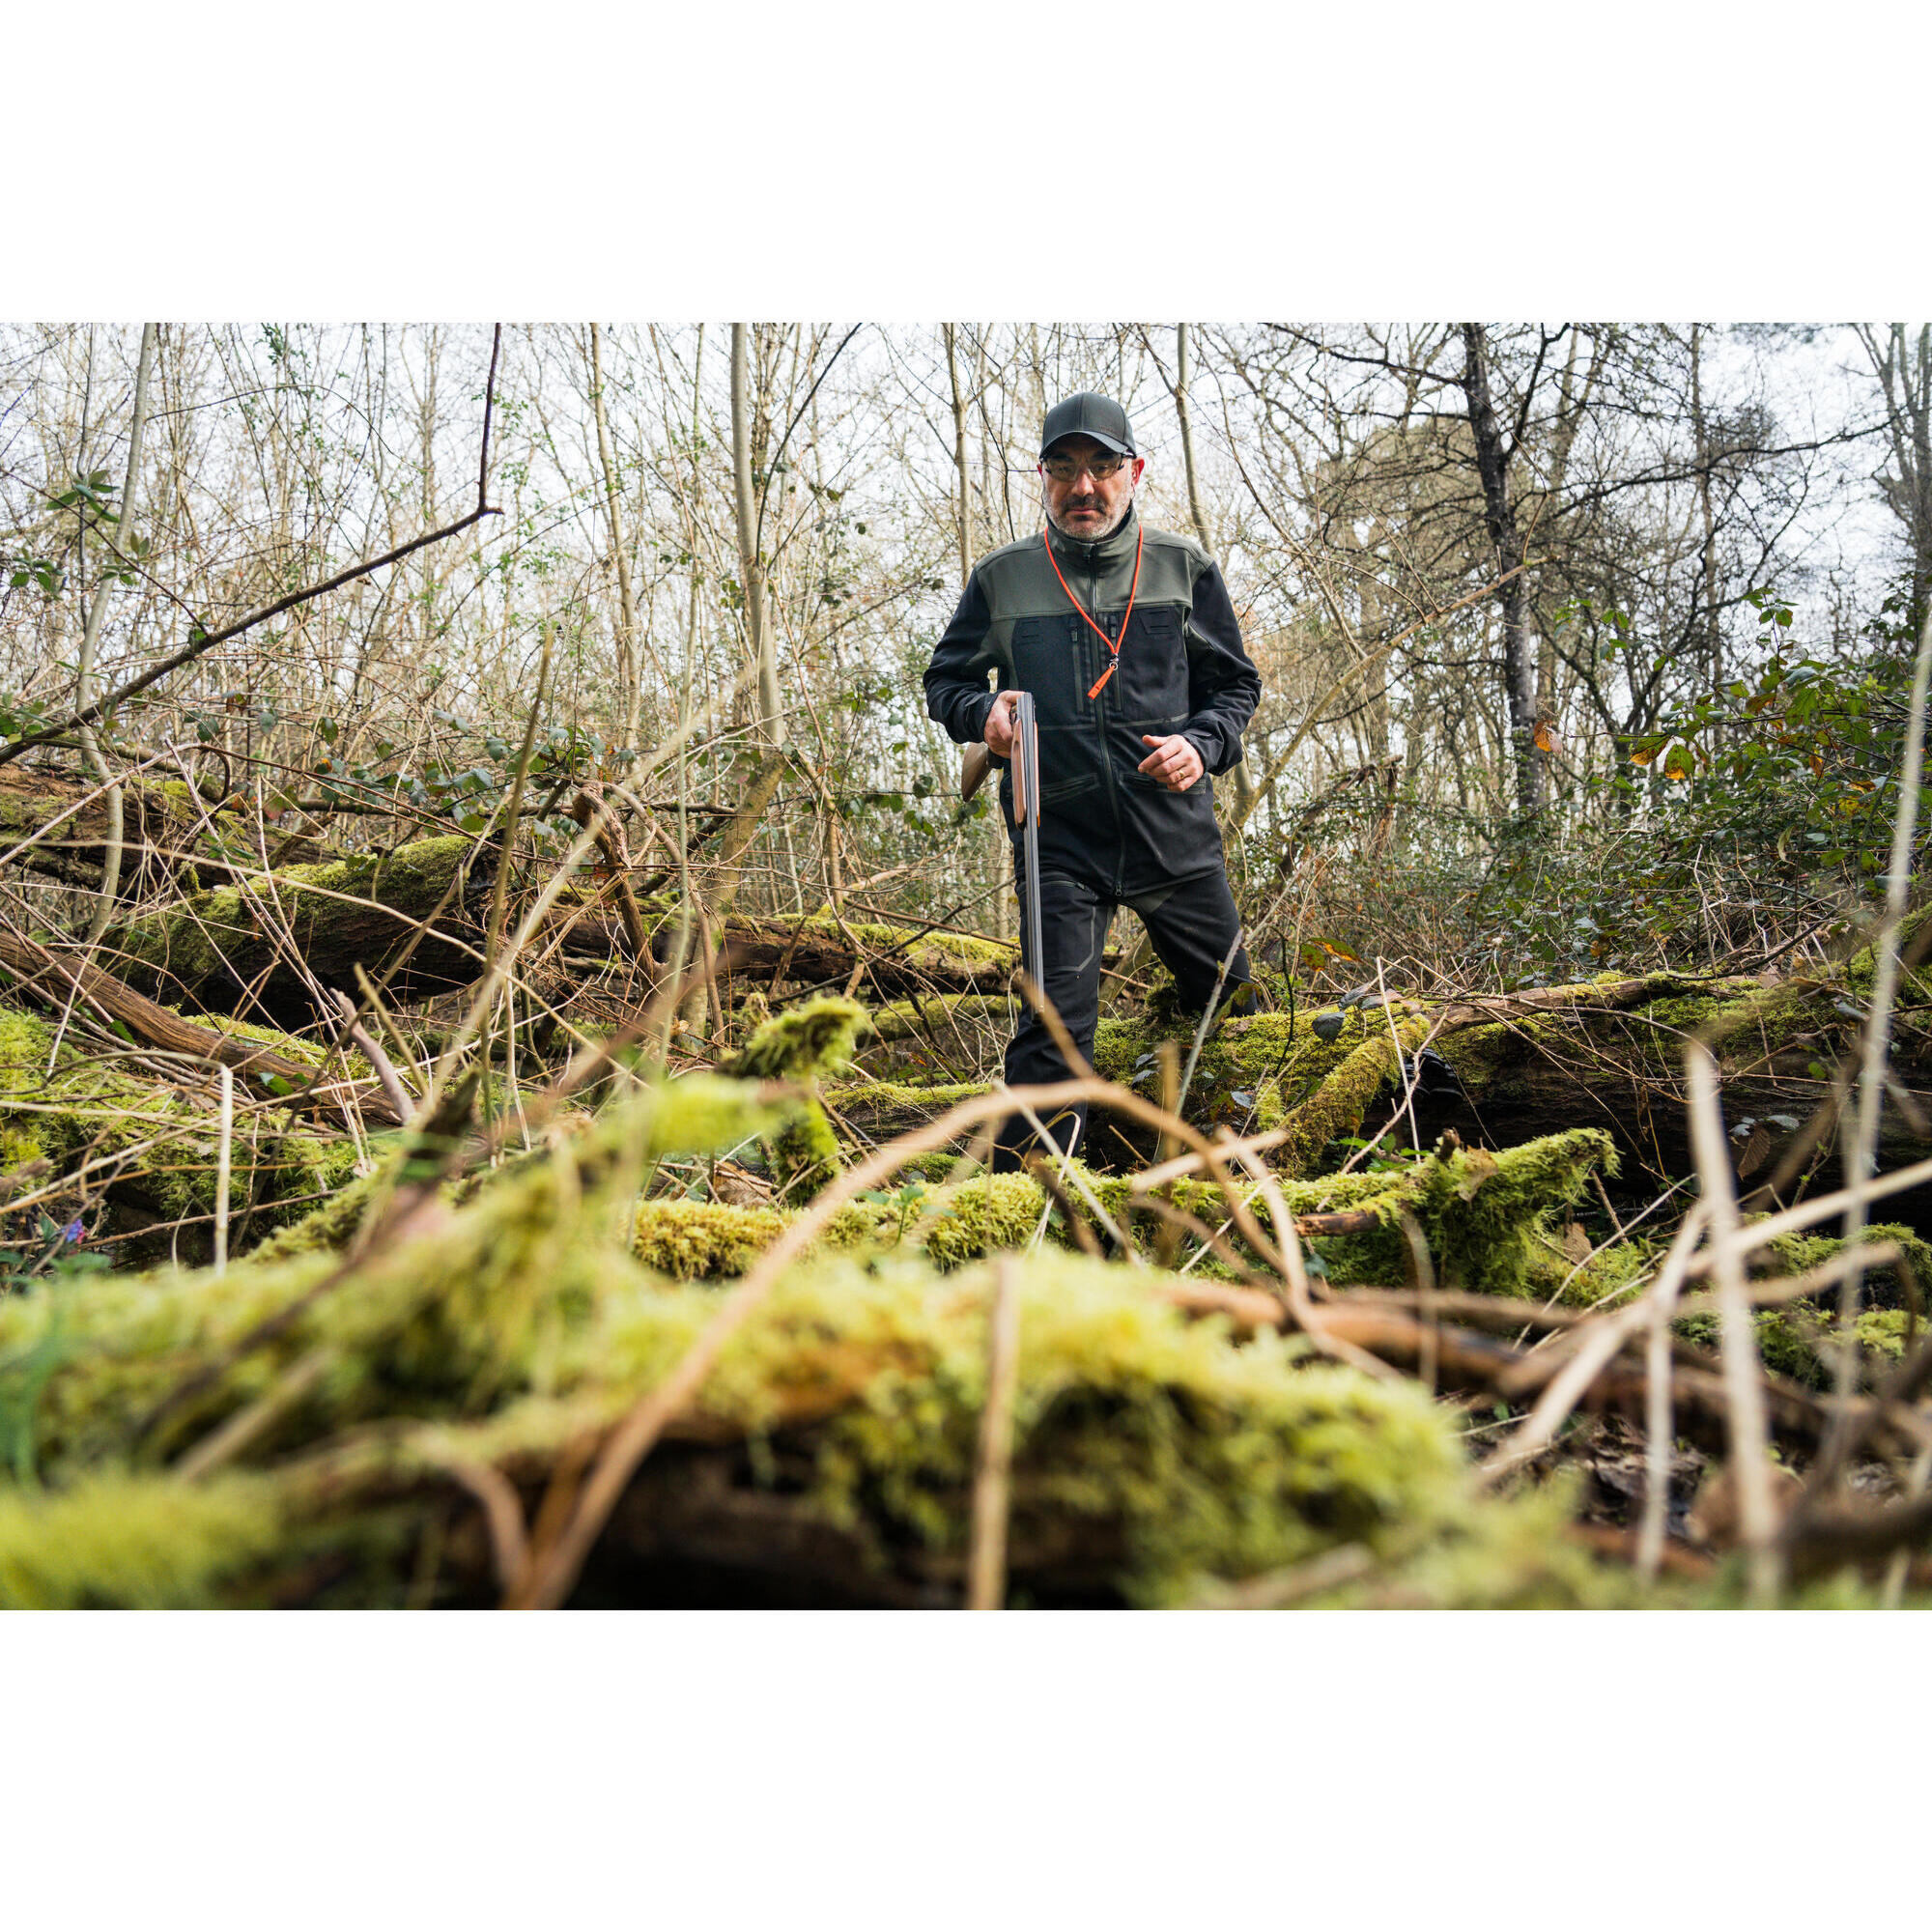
<point x="1182" y="669"/>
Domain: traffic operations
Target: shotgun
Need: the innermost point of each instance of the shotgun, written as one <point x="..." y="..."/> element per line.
<point x="1026" y="816"/>
<point x="973" y="772"/>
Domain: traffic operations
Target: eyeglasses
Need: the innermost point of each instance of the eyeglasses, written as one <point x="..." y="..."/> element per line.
<point x="1065" y="468"/>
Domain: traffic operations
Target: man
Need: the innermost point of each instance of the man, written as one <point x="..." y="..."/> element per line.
<point x="1127" y="641"/>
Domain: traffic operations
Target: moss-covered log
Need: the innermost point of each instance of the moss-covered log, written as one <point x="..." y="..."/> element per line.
<point x="1481" y="1214"/>
<point x="94" y="1134"/>
<point x="55" y="981"/>
<point x="165" y="828"/>
<point x="814" y="951"/>
<point x="1607" y="1054"/>
<point x="828" y="1458"/>
<point x="215" y="949"/>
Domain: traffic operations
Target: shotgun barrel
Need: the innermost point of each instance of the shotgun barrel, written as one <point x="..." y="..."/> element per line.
<point x="1026" y="816"/>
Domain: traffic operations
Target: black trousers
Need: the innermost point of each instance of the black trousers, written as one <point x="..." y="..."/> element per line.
<point x="1191" y="925"/>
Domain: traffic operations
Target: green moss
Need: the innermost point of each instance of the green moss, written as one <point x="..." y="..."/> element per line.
<point x="988" y="1213"/>
<point x="901" y="1020"/>
<point x="871" y="1097"/>
<point x="1731" y="1016"/>
<point x="958" y="948"/>
<point x="513" y="1327"/>
<point x="1914" y="983"/>
<point x="1480" y="1216"/>
<point x="122" y="1542"/>
<point x="1789" y="1340"/>
<point x="168" y="1152"/>
<point x="1287" y="1074"/>
<point x="332" y="1227"/>
<point x="703" y="1241"/>
<point x="1206" y="1460"/>
<point x="709" y="1241"/>
<point x="1518" y="1556"/>
<point x="803" y="1044"/>
<point x="1796" y="1253"/>
<point x="1885" y="1332"/>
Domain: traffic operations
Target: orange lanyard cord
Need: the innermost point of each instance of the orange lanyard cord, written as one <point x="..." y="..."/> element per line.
<point x="1133" y="591"/>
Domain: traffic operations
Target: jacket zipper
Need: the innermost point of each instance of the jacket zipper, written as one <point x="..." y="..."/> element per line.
<point x="1100" y="705"/>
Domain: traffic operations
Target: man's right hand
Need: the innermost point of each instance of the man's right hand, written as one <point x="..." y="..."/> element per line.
<point x="1000" y="725"/>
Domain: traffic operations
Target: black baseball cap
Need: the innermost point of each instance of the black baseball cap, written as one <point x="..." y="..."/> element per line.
<point x="1087" y="415"/>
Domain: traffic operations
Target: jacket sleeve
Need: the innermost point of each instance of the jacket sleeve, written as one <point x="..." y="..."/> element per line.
<point x="956" y="693"/>
<point x="1223" y="686"/>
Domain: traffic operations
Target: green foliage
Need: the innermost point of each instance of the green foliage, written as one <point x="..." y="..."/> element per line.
<point x="1798" y="763"/>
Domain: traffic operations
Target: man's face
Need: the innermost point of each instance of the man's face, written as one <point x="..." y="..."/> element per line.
<point x="1084" y="504"/>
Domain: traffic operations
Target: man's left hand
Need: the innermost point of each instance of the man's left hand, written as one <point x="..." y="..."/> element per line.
<point x="1174" y="762"/>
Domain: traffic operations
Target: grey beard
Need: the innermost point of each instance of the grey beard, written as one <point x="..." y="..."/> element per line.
<point x="1094" y="537"/>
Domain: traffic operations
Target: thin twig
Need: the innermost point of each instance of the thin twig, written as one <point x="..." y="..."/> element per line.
<point x="223" y="1167"/>
<point x="992" y="1476"/>
<point x="1744" y="1375"/>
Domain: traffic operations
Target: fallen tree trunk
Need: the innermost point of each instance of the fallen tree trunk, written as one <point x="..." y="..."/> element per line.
<point x="1607" y="1054"/>
<point x="812" y="952"/>
<point x="164" y="824"/>
<point x="51" y="980"/>
<point x="221" y="950"/>
<point x="225" y="950"/>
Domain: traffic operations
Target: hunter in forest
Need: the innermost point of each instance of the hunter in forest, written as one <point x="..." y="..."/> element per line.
<point x="1127" y="641"/>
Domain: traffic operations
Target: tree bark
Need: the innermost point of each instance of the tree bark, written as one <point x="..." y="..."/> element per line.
<point x="112" y="852"/>
<point x="750" y="565"/>
<point x="1187" y="435"/>
<point x="222" y="951"/>
<point x="159" y="825"/>
<point x="1492" y="460"/>
<point x="50" y="979"/>
<point x="631" y="696"/>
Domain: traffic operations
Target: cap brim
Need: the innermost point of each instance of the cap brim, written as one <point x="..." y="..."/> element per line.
<point x="1101" y="436"/>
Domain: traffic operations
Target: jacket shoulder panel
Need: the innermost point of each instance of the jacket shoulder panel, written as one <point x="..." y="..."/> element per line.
<point x="1188" y="548"/>
<point x="1007" y="554"/>
<point x="1170" y="565"/>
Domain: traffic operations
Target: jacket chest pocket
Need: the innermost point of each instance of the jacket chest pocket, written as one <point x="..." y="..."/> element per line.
<point x="1153" y="668"/>
<point x="1049" y="662"/>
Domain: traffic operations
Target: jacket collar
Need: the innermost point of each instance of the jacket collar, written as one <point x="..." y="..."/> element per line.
<point x="1103" y="551"/>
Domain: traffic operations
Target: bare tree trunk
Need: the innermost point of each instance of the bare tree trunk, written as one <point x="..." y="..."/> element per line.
<point x="1492" y="458"/>
<point x="996" y="846"/>
<point x="1707" y="581"/>
<point x="1245" y="783"/>
<point x="692" y="1004"/>
<point x="751" y="566"/>
<point x="1921" y="475"/>
<point x="959" y="458"/>
<point x="1187" y="435"/>
<point x="1907" y="490"/>
<point x="110" y="869"/>
<point x="632" y="695"/>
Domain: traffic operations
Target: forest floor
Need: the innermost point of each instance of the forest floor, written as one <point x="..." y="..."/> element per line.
<point x="382" y="1230"/>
